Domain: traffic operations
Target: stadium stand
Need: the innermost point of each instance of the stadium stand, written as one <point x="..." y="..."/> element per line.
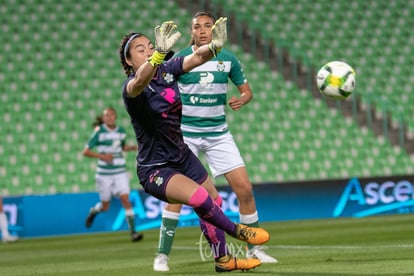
<point x="60" y="68"/>
<point x="373" y="36"/>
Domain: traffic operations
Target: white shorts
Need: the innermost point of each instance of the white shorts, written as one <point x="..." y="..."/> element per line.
<point x="221" y="152"/>
<point x="112" y="185"/>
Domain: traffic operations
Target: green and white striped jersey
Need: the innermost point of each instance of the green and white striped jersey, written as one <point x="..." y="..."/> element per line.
<point x="110" y="142"/>
<point x="204" y="94"/>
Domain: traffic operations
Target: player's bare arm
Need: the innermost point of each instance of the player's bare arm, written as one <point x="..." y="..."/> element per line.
<point x="246" y="96"/>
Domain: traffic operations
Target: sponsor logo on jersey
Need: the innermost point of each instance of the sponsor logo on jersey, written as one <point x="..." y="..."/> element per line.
<point x="206" y="78"/>
<point x="195" y="99"/>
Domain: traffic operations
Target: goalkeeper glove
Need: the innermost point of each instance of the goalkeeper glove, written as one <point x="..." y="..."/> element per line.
<point x="166" y="36"/>
<point x="219" y="33"/>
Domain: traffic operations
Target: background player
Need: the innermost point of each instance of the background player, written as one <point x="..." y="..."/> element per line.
<point x="204" y="93"/>
<point x="111" y="176"/>
<point x="4" y="226"/>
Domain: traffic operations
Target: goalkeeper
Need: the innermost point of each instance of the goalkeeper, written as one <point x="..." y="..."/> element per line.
<point x="166" y="167"/>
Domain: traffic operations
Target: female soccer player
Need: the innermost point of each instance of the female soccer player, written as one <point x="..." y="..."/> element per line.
<point x="4" y="226"/>
<point x="205" y="130"/>
<point x="111" y="177"/>
<point x="166" y="167"/>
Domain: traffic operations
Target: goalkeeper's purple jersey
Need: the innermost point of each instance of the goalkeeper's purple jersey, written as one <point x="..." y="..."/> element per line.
<point x="156" y="116"/>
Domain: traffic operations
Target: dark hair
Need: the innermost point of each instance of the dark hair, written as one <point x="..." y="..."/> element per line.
<point x="198" y="14"/>
<point x="204" y="13"/>
<point x="124" y="53"/>
<point x="99" y="119"/>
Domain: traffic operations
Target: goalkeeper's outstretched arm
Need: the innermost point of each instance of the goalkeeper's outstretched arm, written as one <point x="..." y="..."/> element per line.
<point x="166" y="36"/>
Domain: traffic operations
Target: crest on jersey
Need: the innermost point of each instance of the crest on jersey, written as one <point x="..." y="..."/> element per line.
<point x="154" y="178"/>
<point x="169" y="78"/>
<point x="158" y="180"/>
<point x="220" y="66"/>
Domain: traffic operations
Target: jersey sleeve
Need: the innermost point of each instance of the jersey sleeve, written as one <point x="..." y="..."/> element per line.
<point x="93" y="140"/>
<point x="175" y="66"/>
<point x="237" y="75"/>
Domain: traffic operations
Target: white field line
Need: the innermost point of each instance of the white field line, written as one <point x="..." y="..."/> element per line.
<point x="343" y="246"/>
<point x="312" y="247"/>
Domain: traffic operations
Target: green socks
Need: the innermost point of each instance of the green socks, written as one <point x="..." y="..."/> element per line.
<point x="130" y="218"/>
<point x="167" y="233"/>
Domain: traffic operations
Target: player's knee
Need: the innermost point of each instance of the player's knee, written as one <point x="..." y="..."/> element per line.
<point x="198" y="198"/>
<point x="244" y="192"/>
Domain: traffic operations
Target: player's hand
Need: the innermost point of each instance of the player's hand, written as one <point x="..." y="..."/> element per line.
<point x="166" y="36"/>
<point x="219" y="35"/>
<point x="235" y="103"/>
<point x="106" y="158"/>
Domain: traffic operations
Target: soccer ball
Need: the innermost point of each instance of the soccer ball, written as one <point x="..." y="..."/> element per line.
<point x="336" y="80"/>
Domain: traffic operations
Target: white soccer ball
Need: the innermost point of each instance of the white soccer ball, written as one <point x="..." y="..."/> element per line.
<point x="336" y="80"/>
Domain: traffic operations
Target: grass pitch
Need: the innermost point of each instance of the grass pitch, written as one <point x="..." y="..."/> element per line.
<point x="380" y="245"/>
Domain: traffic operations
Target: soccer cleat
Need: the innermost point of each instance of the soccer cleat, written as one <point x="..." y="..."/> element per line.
<point x="230" y="263"/>
<point x="91" y="216"/>
<point x="161" y="263"/>
<point x="135" y="236"/>
<point x="257" y="252"/>
<point x="252" y="235"/>
<point x="9" y="239"/>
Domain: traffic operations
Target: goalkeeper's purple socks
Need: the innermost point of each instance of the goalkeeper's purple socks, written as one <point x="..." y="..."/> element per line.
<point x="215" y="236"/>
<point x="207" y="210"/>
